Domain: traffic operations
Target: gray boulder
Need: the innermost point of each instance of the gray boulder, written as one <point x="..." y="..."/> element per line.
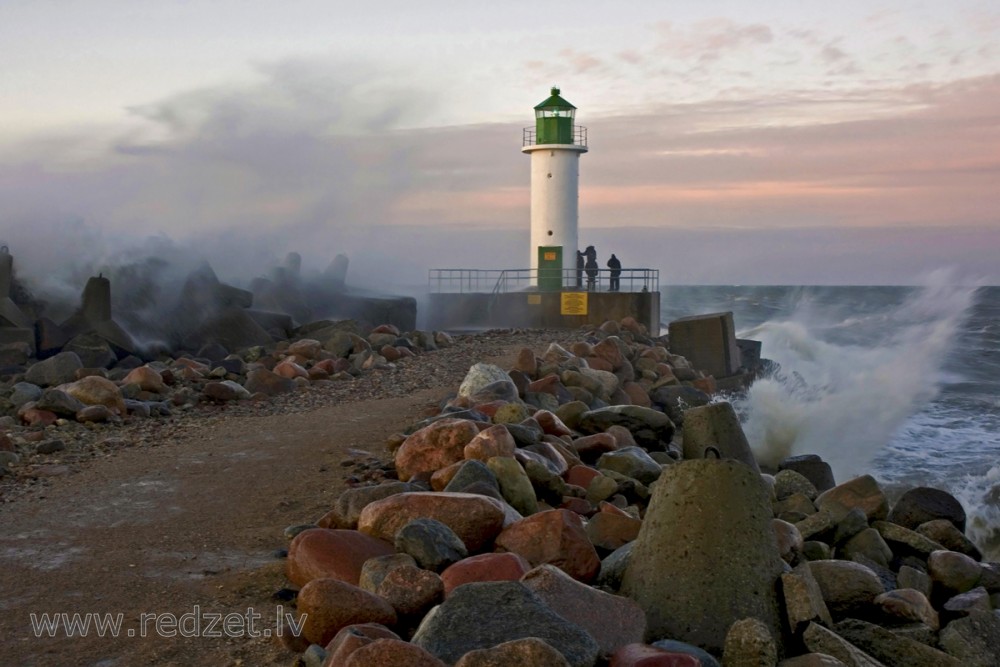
<point x="813" y="468"/>
<point x="22" y="392"/>
<point x="706" y="555"/>
<point x="59" y="403"/>
<point x="93" y="350"/>
<point x="891" y="649"/>
<point x="975" y="639"/>
<point x="484" y="614"/>
<point x="827" y="642"/>
<point x="633" y="462"/>
<point x="350" y="503"/>
<point x="849" y="589"/>
<point x="59" y="369"/>
<point x="923" y="504"/>
<point x="432" y="544"/>
<point x="481" y="376"/>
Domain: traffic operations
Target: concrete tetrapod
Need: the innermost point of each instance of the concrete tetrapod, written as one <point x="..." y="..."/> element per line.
<point x="706" y="555"/>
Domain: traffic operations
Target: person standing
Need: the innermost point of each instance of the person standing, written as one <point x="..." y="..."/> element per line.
<point x="591" y="267"/>
<point x="579" y="269"/>
<point x="616" y="271"/>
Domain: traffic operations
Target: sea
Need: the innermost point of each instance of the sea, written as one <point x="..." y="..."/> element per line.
<point x="902" y="383"/>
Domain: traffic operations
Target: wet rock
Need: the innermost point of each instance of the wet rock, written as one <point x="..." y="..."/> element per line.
<point x="555" y="537"/>
<point x="923" y="504"/>
<point x="945" y="533"/>
<point x="788" y="483"/>
<point x="457" y="626"/>
<point x="477" y="520"/>
<point x="813" y="468"/>
<point x="329" y="605"/>
<point x="339" y="554"/>
<point x="789" y="539"/>
<point x="434" y="447"/>
<point x="869" y="544"/>
<point x="706" y="555"/>
<point x="432" y="544"/>
<point x="861" y="492"/>
<point x="952" y="572"/>
<point x="905" y="541"/>
<point x="613" y="621"/>
<point x="978" y="599"/>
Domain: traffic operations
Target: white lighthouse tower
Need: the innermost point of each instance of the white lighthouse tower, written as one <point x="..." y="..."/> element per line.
<point x="555" y="145"/>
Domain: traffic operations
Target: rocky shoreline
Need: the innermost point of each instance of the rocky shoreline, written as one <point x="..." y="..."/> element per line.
<point x="594" y="504"/>
<point x="60" y="442"/>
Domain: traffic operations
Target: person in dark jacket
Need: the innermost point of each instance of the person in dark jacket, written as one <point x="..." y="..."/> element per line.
<point x="616" y="271"/>
<point x="591" y="267"/>
<point x="579" y="269"/>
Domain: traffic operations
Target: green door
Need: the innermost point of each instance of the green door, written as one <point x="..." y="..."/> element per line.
<point x="550" y="264"/>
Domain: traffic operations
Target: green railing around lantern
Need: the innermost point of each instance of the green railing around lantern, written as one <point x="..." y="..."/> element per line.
<point x="579" y="138"/>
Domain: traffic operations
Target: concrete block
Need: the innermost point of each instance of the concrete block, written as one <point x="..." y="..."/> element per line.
<point x="708" y="342"/>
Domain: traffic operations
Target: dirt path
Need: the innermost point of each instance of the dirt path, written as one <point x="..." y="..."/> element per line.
<point x="195" y="521"/>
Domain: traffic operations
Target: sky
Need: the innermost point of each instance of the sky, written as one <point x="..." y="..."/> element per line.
<point x="773" y="142"/>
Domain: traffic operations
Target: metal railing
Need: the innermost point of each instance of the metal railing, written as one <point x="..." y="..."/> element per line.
<point x="501" y="281"/>
<point x="530" y="136"/>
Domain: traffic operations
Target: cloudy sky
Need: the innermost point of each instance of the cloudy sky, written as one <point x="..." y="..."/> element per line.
<point x="731" y="142"/>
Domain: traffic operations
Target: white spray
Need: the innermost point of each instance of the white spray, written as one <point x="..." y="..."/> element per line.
<point x="844" y="401"/>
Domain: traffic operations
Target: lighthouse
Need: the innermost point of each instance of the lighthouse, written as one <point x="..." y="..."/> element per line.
<point x="555" y="145"/>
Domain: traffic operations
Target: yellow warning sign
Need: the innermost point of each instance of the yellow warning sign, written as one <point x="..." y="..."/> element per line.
<point x="574" y="303"/>
<point x="534" y="299"/>
<point x="549" y="256"/>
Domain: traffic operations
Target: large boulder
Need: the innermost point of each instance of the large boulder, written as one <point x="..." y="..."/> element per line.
<point x="56" y="370"/>
<point x="861" y="492"/>
<point x="651" y="429"/>
<point x="483" y="375"/>
<point x="95" y="390"/>
<point x="849" y="589"/>
<point x="706" y="555"/>
<point x="320" y="553"/>
<point x="923" y="504"/>
<point x="476" y="519"/>
<point x="329" y="605"/>
<point x="555" y="537"/>
<point x="483" y="615"/>
<point x="434" y="447"/>
<point x="612" y="620"/>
